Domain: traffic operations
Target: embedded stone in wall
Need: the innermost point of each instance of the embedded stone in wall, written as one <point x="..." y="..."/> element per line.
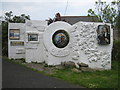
<point x="82" y="65"/>
<point x="59" y="53"/>
<point x="75" y="57"/>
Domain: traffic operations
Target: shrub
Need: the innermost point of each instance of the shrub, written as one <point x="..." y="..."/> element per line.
<point x="116" y="50"/>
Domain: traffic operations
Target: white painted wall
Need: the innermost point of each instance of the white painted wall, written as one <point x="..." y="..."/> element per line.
<point x="34" y="49"/>
<point x="82" y="47"/>
<point x="54" y="55"/>
<point x="13" y="51"/>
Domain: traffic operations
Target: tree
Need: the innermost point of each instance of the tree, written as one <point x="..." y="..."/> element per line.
<point x="118" y="25"/>
<point x="16" y="19"/>
<point x="105" y="12"/>
<point x="8" y="16"/>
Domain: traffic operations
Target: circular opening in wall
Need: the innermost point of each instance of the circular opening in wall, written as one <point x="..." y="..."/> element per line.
<point x="60" y="38"/>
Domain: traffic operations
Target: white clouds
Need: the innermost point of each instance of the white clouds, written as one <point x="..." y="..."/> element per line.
<point x="0" y="9"/>
<point x="38" y="10"/>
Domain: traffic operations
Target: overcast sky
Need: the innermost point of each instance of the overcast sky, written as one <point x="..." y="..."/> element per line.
<point x="43" y="9"/>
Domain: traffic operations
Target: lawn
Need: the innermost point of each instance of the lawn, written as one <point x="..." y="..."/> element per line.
<point x="97" y="79"/>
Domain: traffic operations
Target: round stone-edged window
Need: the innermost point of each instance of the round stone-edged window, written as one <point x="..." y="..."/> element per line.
<point x="60" y="38"/>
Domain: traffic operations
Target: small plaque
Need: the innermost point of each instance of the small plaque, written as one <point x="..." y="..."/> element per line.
<point x="14" y="34"/>
<point x="17" y="43"/>
<point x="32" y="37"/>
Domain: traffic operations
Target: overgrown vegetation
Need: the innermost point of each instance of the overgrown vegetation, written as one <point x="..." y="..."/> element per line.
<point x="106" y="12"/>
<point x="118" y="24"/>
<point x="116" y="50"/>
<point x="4" y="38"/>
<point x="98" y="79"/>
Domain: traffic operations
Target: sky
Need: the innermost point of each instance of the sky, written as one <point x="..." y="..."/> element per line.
<point x="43" y="9"/>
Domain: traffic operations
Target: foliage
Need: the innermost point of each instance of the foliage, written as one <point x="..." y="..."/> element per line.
<point x="118" y="21"/>
<point x="4" y="38"/>
<point x="105" y="12"/>
<point x="118" y="25"/>
<point x="56" y="18"/>
<point x="50" y="20"/>
<point x="9" y="17"/>
<point x="15" y="19"/>
<point x="116" y="50"/>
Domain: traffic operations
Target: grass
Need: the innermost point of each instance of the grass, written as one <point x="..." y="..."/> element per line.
<point x="97" y="79"/>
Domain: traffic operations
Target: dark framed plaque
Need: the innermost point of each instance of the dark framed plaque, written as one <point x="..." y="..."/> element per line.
<point x="103" y="34"/>
<point x="32" y="37"/>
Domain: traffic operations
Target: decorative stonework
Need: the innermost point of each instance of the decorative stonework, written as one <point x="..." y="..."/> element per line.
<point x="105" y="59"/>
<point x="59" y="53"/>
<point x="86" y="41"/>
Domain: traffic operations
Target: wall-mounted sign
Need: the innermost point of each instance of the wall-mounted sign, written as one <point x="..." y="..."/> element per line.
<point x="103" y="34"/>
<point x="60" y="38"/>
<point x="17" y="43"/>
<point x="14" y="34"/>
<point x="32" y="37"/>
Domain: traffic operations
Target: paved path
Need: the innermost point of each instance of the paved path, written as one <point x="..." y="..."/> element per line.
<point x="17" y="76"/>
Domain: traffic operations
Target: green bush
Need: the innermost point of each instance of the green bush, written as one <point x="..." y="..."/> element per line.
<point x="116" y="50"/>
<point x="4" y="38"/>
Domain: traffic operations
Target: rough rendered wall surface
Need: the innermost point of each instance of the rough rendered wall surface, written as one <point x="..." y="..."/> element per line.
<point x="90" y="52"/>
<point x="82" y="47"/>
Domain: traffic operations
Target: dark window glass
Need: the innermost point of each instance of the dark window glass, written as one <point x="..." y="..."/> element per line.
<point x="60" y="38"/>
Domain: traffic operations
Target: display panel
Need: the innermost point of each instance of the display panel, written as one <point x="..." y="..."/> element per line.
<point x="60" y="38"/>
<point x="14" y="34"/>
<point x="103" y="34"/>
<point x="32" y="37"/>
